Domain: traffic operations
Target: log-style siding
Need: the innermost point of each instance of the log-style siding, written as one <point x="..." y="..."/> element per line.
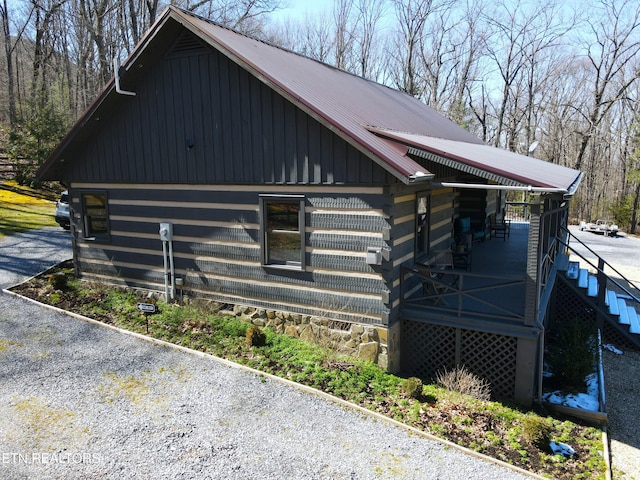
<point x="217" y="246"/>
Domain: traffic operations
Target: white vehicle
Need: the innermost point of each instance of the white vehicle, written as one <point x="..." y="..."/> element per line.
<point x="62" y="211"/>
<point x="600" y="226"/>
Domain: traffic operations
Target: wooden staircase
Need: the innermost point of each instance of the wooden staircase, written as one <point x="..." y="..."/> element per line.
<point x="619" y="307"/>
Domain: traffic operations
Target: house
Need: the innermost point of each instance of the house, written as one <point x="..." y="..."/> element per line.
<point x="314" y="200"/>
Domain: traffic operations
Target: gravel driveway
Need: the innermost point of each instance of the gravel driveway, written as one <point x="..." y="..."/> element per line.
<point x="29" y="253"/>
<point x="79" y="400"/>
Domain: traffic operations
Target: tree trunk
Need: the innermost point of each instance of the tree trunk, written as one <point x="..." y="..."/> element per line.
<point x="6" y="30"/>
<point x="634" y="212"/>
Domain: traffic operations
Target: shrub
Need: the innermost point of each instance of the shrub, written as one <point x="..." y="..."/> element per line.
<point x="536" y="431"/>
<point x="58" y="281"/>
<point x="572" y="351"/>
<point x="412" y="387"/>
<point x="255" y="337"/>
<point x="463" y="381"/>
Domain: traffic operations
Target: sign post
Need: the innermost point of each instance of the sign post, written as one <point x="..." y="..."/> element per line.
<point x="147" y="309"/>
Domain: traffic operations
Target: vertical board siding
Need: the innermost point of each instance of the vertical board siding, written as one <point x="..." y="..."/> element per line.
<point x="217" y="247"/>
<point x="242" y="132"/>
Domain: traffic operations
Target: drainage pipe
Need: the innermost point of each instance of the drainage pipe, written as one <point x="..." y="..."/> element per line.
<point x="116" y="70"/>
<point x="166" y="272"/>
<point x="483" y="186"/>
<point x="173" y="273"/>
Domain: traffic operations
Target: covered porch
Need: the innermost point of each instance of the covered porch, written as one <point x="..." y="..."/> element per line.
<point x="478" y="317"/>
<point x="491" y="288"/>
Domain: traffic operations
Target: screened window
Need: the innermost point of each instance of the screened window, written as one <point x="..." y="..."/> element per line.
<point x="283" y="231"/>
<point x="95" y="216"/>
<point x="422" y="226"/>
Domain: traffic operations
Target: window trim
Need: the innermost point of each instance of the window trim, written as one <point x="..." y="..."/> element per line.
<point x="86" y="234"/>
<point x="422" y="255"/>
<point x="264" y="246"/>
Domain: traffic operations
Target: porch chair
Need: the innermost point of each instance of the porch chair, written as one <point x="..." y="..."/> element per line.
<point x="499" y="228"/>
<point x="434" y="285"/>
<point x="464" y="228"/>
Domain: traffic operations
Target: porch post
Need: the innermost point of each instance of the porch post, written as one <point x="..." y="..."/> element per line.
<point x="528" y="348"/>
<point x="533" y="258"/>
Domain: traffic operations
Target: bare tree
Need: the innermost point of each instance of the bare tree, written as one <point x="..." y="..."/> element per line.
<point x="44" y="15"/>
<point x="343" y="34"/>
<point x="412" y="17"/>
<point x="612" y="52"/>
<point x="370" y="13"/>
<point x="9" y="47"/>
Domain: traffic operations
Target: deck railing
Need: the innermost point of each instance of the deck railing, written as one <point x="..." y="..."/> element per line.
<point x="463" y="294"/>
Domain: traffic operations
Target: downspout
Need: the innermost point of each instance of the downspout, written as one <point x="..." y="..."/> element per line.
<point x="166" y="271"/>
<point x="173" y="272"/>
<point x="116" y="70"/>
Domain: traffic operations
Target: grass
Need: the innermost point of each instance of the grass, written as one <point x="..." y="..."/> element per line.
<point x="492" y="428"/>
<point x="23" y="208"/>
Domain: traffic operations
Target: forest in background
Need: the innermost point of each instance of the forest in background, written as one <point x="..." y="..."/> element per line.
<point x="556" y="80"/>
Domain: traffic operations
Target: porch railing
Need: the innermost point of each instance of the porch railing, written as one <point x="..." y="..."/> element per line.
<point x="459" y="294"/>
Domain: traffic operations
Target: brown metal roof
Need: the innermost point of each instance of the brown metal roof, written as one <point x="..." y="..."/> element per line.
<point x="352" y="107"/>
<point x="497" y="164"/>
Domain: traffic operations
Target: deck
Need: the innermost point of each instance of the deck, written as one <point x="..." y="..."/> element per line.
<point x="492" y="289"/>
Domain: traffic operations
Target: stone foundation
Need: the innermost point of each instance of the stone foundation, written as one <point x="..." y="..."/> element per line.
<point x="377" y="344"/>
<point x="366" y="342"/>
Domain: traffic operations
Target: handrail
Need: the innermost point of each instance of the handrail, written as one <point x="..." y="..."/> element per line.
<point x="600" y="268"/>
<point x="452" y="292"/>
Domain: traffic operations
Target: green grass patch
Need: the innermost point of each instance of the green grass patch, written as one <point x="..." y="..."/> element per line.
<point x="23" y="208"/>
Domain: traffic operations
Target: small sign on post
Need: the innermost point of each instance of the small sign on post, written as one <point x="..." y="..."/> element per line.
<point x="147" y="309"/>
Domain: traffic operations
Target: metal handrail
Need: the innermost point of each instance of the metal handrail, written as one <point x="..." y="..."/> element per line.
<point x="635" y="295"/>
<point x="450" y="292"/>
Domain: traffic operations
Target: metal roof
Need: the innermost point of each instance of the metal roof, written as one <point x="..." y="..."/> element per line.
<point x="357" y="109"/>
<point x="484" y="161"/>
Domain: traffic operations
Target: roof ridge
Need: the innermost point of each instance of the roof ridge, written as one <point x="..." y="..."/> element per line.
<point x="280" y="47"/>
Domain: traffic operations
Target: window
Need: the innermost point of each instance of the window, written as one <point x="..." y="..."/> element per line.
<point x="282" y="231"/>
<point x="95" y="215"/>
<point x="422" y="225"/>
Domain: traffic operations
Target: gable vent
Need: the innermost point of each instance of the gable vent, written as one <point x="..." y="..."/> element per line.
<point x="187" y="44"/>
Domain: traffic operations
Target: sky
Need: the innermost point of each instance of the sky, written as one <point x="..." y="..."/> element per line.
<point x="298" y="8"/>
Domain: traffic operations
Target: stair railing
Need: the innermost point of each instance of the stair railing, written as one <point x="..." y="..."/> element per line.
<point x="630" y="289"/>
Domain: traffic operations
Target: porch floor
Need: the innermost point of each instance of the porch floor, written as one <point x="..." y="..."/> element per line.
<point x="502" y="257"/>
<point x="493" y="288"/>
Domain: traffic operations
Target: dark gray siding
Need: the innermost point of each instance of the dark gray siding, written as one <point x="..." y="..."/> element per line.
<point x="200" y="118"/>
<point x="217" y="246"/>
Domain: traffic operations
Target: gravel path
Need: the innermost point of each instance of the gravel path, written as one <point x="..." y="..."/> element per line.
<point x="29" y="253"/>
<point x="622" y="381"/>
<point x="81" y="401"/>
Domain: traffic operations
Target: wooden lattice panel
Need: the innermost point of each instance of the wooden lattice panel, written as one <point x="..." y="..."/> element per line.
<point x="428" y="349"/>
<point x="568" y="306"/>
<point x="491" y="357"/>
